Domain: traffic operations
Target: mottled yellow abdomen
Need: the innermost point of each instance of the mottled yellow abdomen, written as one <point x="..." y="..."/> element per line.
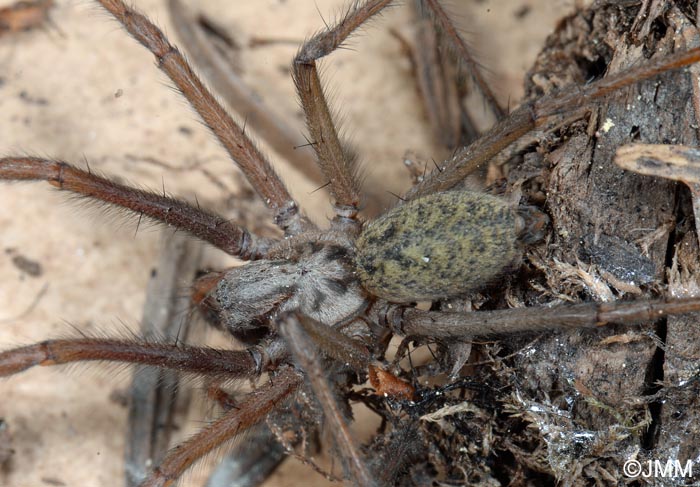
<point x="442" y="245"/>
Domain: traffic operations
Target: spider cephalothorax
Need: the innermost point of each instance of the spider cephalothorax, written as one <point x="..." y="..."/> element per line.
<point x="314" y="276"/>
<point x="318" y="307"/>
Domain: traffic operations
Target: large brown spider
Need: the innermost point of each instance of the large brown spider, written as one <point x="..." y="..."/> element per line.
<point x="286" y="378"/>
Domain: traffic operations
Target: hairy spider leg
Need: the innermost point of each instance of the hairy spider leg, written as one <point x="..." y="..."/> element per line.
<point x="413" y="322"/>
<point x="335" y="163"/>
<point x="537" y="114"/>
<point x="254" y="165"/>
<point x="255" y="406"/>
<point x="197" y="360"/>
<point x="238" y="95"/>
<point x="457" y="43"/>
<point x="221" y="233"/>
<point x="305" y="353"/>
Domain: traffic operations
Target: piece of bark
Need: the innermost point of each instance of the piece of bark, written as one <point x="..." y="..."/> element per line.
<point x="589" y="379"/>
<point x="679" y="434"/>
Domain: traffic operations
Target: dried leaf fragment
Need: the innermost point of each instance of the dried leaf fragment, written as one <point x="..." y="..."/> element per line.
<point x="24" y="15"/>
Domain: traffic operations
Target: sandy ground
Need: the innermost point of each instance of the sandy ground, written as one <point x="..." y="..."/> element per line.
<point x="83" y="90"/>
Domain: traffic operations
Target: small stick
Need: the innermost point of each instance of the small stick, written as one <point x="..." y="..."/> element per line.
<point x="251" y="461"/>
<point x="443" y="21"/>
<point x="154" y="392"/>
<point x="676" y="162"/>
<point x="239" y="96"/>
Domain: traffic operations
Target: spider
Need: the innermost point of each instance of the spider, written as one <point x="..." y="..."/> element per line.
<point x="285" y="379"/>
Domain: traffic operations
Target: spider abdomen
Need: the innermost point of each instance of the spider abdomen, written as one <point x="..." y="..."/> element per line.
<point x="443" y="245"/>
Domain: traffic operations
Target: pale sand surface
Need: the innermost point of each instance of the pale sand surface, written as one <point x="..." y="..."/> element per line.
<point x="88" y="91"/>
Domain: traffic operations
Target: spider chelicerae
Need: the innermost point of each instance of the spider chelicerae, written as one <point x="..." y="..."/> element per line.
<point x="357" y="470"/>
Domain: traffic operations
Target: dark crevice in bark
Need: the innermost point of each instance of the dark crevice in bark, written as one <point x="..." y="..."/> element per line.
<point x="655" y="374"/>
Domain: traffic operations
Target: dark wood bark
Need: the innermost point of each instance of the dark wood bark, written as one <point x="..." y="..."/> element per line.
<point x="598" y="399"/>
<point x="571" y="407"/>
